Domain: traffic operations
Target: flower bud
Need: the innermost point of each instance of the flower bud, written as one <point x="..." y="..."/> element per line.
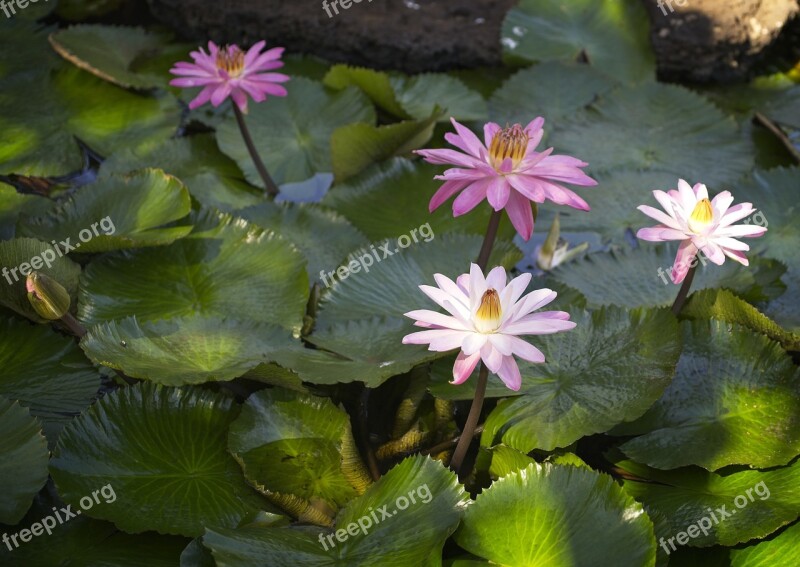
<point x="47" y="296"/>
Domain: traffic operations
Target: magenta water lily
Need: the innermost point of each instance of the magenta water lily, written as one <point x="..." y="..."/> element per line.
<point x="486" y="317"/>
<point x="228" y="71"/>
<point x="507" y="171"/>
<point x="700" y="224"/>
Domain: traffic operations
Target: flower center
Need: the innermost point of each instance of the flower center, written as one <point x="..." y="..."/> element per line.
<point x="231" y="60"/>
<point x="509" y="143"/>
<point x="701" y="216"/>
<point x="487" y="318"/>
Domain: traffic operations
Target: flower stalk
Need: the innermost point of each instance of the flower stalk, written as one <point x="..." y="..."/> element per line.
<point x="269" y="184"/>
<point x="683" y="293"/>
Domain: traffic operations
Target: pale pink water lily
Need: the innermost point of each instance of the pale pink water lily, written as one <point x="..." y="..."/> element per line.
<point x="485" y="317"/>
<point x="700" y="224"/>
<point x="506" y="170"/>
<point x="228" y="71"/>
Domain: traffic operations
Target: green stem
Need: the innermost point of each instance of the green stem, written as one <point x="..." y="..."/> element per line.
<point x="272" y="188"/>
<point x="684" y="291"/>
<point x="472" y="420"/>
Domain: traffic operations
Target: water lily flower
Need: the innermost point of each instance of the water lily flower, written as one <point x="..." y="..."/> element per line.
<point x="507" y="171"/>
<point x="230" y="72"/>
<point x="700" y="224"/>
<point x="485" y="317"/>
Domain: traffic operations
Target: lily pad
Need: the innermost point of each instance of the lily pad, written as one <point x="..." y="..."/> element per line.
<point x="23" y="470"/>
<point x="293" y="134"/>
<point x="163" y="450"/>
<point x="182" y="351"/>
<point x="735" y="399"/>
<point x="97" y="217"/>
<point x="235" y="271"/>
<point x="610" y="368"/>
<point x="612" y="35"/>
<point x="413" y="509"/>
<point x="563" y="516"/>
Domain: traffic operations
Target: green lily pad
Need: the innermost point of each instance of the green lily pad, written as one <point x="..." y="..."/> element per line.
<point x="555" y="90"/>
<point x="610" y="368"/>
<point x="84" y="541"/>
<point x="376" y="85"/>
<point x="371" y="202"/>
<point x="22" y="255"/>
<point x="182" y="351"/>
<point x="302" y="224"/>
<point x="163" y="450"/>
<point x="391" y="287"/>
<point x="293" y="133"/>
<point x="686" y="496"/>
<point x="357" y="146"/>
<point x="235" y="271"/>
<point x="212" y="178"/>
<point x="407" y="532"/>
<point x="109" y="52"/>
<point x="774" y="193"/>
<point x="97" y="217"/>
<point x="661" y="129"/>
<point x="613" y="36"/>
<point x="292" y="448"/>
<point x="640" y="277"/>
<point x="46" y="372"/>
<point x="780" y="551"/>
<point x="562" y="516"/>
<point x="723" y="305"/>
<point x="23" y="470"/>
<point x="13" y="205"/>
<point x="735" y="399"/>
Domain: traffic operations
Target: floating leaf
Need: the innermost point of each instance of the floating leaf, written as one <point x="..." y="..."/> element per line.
<point x="293" y="134"/>
<point x="735" y="399"/>
<point x="235" y="271"/>
<point x="163" y="450"/>
<point x="23" y="470"/>
<point x="612" y="35"/>
<point x="97" y="217"/>
<point x="182" y="351"/>
<point x="610" y="368"/>
<point x="558" y="515"/>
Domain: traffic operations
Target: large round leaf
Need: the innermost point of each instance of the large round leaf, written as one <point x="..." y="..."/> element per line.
<point x="163" y="450"/>
<point x="46" y="372"/>
<point x="302" y="224"/>
<point x="780" y="551"/>
<point x="657" y="128"/>
<point x="97" y="217"/>
<point x="298" y="450"/>
<point x="559" y="516"/>
<point x="735" y="399"/>
<point x="212" y="178"/>
<point x="612" y="35"/>
<point x="293" y="133"/>
<point x="745" y="505"/>
<point x="554" y="90"/>
<point x="109" y="52"/>
<point x="412" y="510"/>
<point x="188" y="350"/>
<point x="87" y="542"/>
<point x="371" y="202"/>
<point x="636" y="277"/>
<point x="29" y="254"/>
<point x="610" y="368"/>
<point x="23" y="470"/>
<point x="235" y="271"/>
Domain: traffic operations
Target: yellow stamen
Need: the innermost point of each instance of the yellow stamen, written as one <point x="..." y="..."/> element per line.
<point x="231" y="59"/>
<point x="509" y="143"/>
<point x="701" y="216"/>
<point x="487" y="318"/>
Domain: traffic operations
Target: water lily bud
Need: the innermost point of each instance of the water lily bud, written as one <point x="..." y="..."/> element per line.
<point x="47" y="296"/>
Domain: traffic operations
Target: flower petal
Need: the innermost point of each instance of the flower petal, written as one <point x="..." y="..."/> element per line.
<point x="464" y="366"/>
<point x="525" y="350"/>
<point x="520" y="214"/>
<point x="509" y="373"/>
<point x="683" y="259"/>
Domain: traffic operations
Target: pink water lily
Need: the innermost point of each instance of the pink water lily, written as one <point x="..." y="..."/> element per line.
<point x="507" y="171"/>
<point x="485" y="317"/>
<point x="230" y="72"/>
<point x="701" y="225"/>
